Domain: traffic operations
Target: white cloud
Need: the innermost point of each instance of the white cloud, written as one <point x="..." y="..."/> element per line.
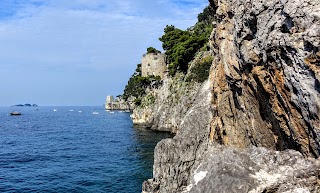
<point x="86" y="35"/>
<point x="88" y="32"/>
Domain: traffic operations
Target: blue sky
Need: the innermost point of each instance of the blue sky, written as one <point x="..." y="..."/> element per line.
<point x="62" y="52"/>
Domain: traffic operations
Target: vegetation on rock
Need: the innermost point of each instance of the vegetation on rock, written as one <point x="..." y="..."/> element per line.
<point x="200" y="72"/>
<point x="137" y="85"/>
<point x="208" y="13"/>
<point x="181" y="46"/>
<point x="147" y="100"/>
<point x="152" y="50"/>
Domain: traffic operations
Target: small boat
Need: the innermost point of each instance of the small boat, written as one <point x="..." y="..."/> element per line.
<point x="111" y="111"/>
<point x="80" y="111"/>
<point x="55" y="110"/>
<point x="15" y="113"/>
<point x="71" y="110"/>
<point x="95" y="113"/>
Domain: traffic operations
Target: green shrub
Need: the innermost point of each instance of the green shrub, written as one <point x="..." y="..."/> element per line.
<point x="208" y="14"/>
<point x="202" y="29"/>
<point x="137" y="85"/>
<point x="137" y="101"/>
<point x="180" y="47"/>
<point x="152" y="50"/>
<point x="138" y="69"/>
<point x="200" y="72"/>
<point x="148" y="100"/>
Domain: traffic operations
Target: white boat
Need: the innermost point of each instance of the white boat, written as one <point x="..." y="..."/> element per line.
<point x="80" y="111"/>
<point x="55" y="110"/>
<point x="71" y="110"/>
<point x="95" y="113"/>
<point x="15" y="113"/>
<point x="111" y="111"/>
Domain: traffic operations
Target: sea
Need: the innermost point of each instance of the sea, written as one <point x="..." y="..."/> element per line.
<point x="73" y="149"/>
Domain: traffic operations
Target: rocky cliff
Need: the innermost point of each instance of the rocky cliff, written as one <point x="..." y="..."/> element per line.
<point x="263" y="91"/>
<point x="266" y="74"/>
<point x="164" y="108"/>
<point x="255" y="170"/>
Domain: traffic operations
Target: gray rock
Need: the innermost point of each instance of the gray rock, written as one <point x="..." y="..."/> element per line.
<point x="175" y="158"/>
<point x="171" y="102"/>
<point x="264" y="90"/>
<point x="255" y="170"/>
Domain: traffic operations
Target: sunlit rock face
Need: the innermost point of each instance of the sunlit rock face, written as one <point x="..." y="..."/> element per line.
<point x="266" y="74"/>
<point x="263" y="91"/>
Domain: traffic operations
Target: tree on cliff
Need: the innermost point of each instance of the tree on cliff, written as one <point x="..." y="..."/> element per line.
<point x="180" y="47"/>
<point x="208" y="14"/>
<point x="152" y="50"/>
<point x="137" y="84"/>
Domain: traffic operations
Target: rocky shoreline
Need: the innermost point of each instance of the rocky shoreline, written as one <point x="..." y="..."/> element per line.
<point x="254" y="125"/>
<point x="253" y="170"/>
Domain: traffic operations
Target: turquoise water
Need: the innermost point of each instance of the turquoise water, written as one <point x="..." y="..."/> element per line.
<point x="70" y="151"/>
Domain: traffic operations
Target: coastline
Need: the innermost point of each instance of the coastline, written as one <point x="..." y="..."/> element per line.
<point x="261" y="101"/>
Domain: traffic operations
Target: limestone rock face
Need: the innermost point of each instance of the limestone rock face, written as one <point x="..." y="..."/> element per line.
<point x="255" y="170"/>
<point x="264" y="90"/>
<point x="175" y="159"/>
<point x="165" y="108"/>
<point x="266" y="74"/>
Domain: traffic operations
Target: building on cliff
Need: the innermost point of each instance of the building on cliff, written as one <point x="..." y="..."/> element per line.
<point x="263" y="90"/>
<point x="116" y="104"/>
<point x="153" y="64"/>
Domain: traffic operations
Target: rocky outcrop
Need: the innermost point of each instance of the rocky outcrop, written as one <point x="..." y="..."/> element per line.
<point x="175" y="159"/>
<point x="255" y="170"/>
<point x="164" y="108"/>
<point x="264" y="91"/>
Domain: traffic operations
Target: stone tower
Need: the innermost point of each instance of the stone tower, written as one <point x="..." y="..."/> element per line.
<point x="153" y="64"/>
<point x="109" y="102"/>
<point x="109" y="99"/>
<point x="116" y="104"/>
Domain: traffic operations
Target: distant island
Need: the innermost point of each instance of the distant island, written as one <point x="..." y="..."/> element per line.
<point x="25" y="105"/>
